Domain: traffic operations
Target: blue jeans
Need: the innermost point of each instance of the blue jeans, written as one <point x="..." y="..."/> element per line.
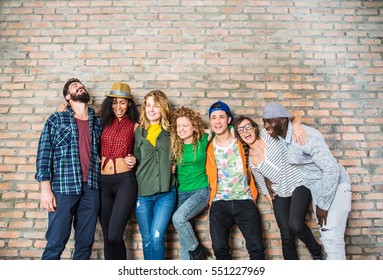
<point x="189" y="205"/>
<point x="82" y="210"/>
<point x="243" y="213"/>
<point x="153" y="214"/>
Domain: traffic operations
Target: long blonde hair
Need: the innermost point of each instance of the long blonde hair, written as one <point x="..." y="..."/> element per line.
<point x="177" y="143"/>
<point x="162" y="101"/>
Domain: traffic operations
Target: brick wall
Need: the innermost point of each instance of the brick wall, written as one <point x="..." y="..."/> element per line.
<point x="322" y="57"/>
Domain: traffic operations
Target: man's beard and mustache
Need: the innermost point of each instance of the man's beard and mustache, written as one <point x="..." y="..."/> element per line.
<point x="82" y="98"/>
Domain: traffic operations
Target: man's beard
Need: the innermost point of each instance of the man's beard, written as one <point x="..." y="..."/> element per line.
<point x="82" y="98"/>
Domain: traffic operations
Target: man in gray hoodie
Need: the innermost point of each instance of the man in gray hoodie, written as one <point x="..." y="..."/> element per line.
<point x="328" y="180"/>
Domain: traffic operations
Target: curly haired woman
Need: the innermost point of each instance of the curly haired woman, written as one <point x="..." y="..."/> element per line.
<point x="189" y="144"/>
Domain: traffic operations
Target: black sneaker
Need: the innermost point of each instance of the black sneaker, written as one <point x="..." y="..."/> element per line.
<point x="198" y="253"/>
<point x="320" y="257"/>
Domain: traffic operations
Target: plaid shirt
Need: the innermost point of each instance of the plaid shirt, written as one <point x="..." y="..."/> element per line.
<point x="58" y="156"/>
<point x="117" y="140"/>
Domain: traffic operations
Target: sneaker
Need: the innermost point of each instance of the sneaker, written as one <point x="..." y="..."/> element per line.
<point x="322" y="256"/>
<point x="198" y="253"/>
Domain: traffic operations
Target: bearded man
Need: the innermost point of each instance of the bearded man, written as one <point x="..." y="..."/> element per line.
<point x="68" y="169"/>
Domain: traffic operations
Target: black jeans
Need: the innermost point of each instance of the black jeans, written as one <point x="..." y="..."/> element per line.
<point x="118" y="197"/>
<point x="243" y="213"/>
<point x="290" y="213"/>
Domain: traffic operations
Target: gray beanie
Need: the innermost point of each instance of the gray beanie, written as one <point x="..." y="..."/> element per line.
<point x="274" y="110"/>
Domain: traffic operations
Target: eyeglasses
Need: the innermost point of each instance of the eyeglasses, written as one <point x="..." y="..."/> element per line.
<point x="244" y="128"/>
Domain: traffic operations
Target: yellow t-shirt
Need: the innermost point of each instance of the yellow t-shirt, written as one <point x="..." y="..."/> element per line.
<point x="153" y="132"/>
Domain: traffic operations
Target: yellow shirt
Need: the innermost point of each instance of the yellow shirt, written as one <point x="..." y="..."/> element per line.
<point x="153" y="132"/>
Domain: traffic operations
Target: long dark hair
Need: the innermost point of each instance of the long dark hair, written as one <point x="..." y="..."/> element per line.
<point x="107" y="115"/>
<point x="246" y="147"/>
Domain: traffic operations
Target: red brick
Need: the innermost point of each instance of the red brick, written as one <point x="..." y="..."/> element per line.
<point x="246" y="54"/>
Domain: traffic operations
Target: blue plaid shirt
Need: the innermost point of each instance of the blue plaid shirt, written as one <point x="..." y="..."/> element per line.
<point x="58" y="156"/>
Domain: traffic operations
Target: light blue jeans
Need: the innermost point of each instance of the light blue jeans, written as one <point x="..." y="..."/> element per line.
<point x="332" y="234"/>
<point x="189" y="205"/>
<point x="153" y="214"/>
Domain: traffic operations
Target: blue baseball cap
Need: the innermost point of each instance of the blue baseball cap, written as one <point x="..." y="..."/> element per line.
<point x="220" y="106"/>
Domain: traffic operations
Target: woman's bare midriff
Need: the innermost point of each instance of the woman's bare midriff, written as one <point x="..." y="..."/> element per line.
<point x="121" y="166"/>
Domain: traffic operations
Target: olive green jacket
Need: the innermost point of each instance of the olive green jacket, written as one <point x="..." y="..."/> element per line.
<point x="154" y="164"/>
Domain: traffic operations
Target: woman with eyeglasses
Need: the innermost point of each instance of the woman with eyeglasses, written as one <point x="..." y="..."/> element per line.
<point x="288" y="194"/>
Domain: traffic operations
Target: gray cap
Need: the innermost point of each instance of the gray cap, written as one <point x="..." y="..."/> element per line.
<point x="275" y="110"/>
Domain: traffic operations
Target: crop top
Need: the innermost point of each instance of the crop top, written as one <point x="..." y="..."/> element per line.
<point x="117" y="140"/>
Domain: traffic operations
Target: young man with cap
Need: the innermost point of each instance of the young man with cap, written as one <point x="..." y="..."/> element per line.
<point x="328" y="180"/>
<point x="67" y="165"/>
<point x="119" y="118"/>
<point x="233" y="192"/>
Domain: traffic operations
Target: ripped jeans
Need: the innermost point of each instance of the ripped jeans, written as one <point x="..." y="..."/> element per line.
<point x="189" y="205"/>
<point x="153" y="214"/>
<point x="332" y="234"/>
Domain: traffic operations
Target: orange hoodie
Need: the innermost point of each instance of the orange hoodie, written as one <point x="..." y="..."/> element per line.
<point x="212" y="172"/>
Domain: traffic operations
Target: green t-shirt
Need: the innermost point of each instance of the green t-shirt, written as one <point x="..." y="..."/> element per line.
<point x="191" y="172"/>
